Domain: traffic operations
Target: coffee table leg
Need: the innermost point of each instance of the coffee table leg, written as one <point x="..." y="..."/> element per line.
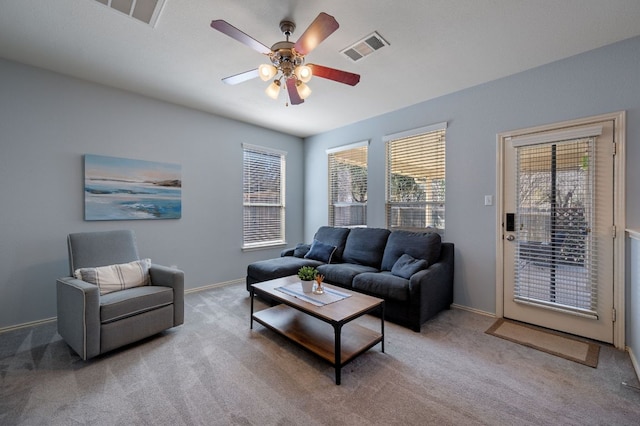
<point x="338" y="351"/>
<point x="251" y="314"/>
<point x="382" y="326"/>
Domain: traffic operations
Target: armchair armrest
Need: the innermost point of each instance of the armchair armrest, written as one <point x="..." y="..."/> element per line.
<point x="79" y="315"/>
<point x="174" y="278"/>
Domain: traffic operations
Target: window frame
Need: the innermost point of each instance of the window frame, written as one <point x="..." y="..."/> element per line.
<point x="247" y="203"/>
<point x="389" y="205"/>
<point x="331" y="202"/>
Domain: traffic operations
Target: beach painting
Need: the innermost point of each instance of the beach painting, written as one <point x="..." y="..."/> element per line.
<point x="125" y="189"/>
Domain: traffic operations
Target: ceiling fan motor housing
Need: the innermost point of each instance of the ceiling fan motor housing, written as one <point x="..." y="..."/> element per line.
<point x="287" y="28"/>
<point x="284" y="57"/>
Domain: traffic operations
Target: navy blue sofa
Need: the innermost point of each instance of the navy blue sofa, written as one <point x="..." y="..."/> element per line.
<point x="413" y="272"/>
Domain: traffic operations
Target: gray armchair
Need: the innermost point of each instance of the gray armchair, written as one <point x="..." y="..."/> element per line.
<point x="93" y="324"/>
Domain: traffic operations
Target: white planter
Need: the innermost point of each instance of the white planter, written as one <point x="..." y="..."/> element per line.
<point x="307" y="286"/>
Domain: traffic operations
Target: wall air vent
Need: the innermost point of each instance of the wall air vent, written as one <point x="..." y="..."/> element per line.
<point x="146" y="11"/>
<point x="365" y="47"/>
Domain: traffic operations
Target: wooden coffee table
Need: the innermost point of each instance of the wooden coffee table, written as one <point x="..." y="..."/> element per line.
<point x="327" y="330"/>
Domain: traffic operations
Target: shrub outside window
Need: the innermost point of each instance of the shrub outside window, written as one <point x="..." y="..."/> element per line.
<point x="415" y="196"/>
<point x="348" y="185"/>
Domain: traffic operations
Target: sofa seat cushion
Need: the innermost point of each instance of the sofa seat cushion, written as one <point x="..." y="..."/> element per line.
<point x="419" y="245"/>
<point x="125" y="303"/>
<point x="342" y="274"/>
<point x="365" y="246"/>
<point x="264" y="270"/>
<point x="383" y="284"/>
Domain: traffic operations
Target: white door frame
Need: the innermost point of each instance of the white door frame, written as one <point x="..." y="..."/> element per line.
<point x="619" y="214"/>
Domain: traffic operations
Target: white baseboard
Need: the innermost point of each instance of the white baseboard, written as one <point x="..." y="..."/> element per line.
<point x="27" y="324"/>
<point x="475" y="311"/>
<point x="634" y="362"/>
<point x="191" y="290"/>
<point x="216" y="285"/>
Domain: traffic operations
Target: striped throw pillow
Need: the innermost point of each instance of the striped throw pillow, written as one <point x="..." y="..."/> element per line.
<point x="117" y="277"/>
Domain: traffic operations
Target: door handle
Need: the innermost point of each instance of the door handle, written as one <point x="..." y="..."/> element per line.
<point x="510" y="237"/>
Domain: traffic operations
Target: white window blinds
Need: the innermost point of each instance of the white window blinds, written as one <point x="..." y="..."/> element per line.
<point x="348" y="185"/>
<point x="556" y="257"/>
<point x="263" y="196"/>
<point x="416" y="179"/>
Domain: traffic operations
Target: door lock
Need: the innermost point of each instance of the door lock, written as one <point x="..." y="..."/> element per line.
<point x="511" y="222"/>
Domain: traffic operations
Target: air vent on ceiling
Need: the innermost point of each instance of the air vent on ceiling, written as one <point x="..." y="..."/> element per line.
<point x="146" y="11"/>
<point x="365" y="47"/>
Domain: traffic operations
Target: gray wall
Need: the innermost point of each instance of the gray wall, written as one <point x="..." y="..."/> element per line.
<point x="597" y="82"/>
<point x="47" y="123"/>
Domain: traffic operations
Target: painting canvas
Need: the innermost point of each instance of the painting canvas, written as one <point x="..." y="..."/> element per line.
<point x="125" y="189"/>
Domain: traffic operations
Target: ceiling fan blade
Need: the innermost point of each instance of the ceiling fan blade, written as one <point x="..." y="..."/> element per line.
<point x="241" y="78"/>
<point x="336" y="75"/>
<point x="294" y="97"/>
<point x="228" y="29"/>
<point x="322" y="27"/>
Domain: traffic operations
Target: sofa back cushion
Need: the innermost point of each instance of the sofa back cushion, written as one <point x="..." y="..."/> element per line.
<point x="334" y="237"/>
<point x="365" y="246"/>
<point x="419" y="245"/>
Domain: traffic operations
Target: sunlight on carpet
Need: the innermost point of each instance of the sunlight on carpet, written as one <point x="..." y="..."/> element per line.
<point x="548" y="341"/>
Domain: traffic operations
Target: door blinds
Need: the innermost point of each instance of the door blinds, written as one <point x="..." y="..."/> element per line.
<point x="555" y="262"/>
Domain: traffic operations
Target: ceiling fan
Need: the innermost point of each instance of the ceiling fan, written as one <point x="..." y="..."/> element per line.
<point x="288" y="58"/>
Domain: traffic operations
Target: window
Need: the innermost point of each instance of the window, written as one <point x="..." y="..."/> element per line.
<point x="146" y="11"/>
<point x="416" y="179"/>
<point x="263" y="196"/>
<point x="556" y="257"/>
<point x="348" y="185"/>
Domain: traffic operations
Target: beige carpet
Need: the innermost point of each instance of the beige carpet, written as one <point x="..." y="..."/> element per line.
<point x="548" y="341"/>
<point x="214" y="370"/>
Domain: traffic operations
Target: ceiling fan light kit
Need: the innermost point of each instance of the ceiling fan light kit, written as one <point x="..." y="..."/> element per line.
<point x="273" y="90"/>
<point x="303" y="73"/>
<point x="288" y="59"/>
<point x="303" y="90"/>
<point x="267" y="72"/>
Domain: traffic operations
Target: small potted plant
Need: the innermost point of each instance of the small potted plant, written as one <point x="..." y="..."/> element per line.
<point x="307" y="275"/>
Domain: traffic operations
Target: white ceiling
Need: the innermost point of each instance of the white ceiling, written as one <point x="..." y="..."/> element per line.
<point x="436" y="47"/>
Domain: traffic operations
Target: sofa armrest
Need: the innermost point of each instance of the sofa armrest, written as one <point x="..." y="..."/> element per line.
<point x="78" y="304"/>
<point x="174" y="278"/>
<point x="287" y="252"/>
<point x="432" y="288"/>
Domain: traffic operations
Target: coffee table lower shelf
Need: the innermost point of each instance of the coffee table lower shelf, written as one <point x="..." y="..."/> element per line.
<point x="319" y="337"/>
